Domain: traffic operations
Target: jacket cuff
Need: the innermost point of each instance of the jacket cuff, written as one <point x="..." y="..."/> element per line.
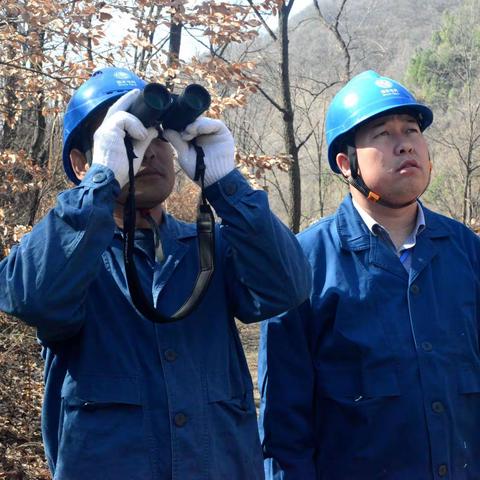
<point x="100" y="176"/>
<point x="230" y="188"/>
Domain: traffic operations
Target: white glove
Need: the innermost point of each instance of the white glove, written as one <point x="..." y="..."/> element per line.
<point x="217" y="143"/>
<point x="108" y="141"/>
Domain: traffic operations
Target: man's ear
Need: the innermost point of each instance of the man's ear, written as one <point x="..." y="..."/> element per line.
<point x="343" y="164"/>
<point x="79" y="163"/>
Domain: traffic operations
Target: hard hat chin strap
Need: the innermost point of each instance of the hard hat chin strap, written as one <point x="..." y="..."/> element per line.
<point x="356" y="181"/>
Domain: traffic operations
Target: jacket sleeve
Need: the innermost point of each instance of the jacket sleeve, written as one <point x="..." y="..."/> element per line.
<point x="287" y="388"/>
<point x="267" y="272"/>
<point x="44" y="279"/>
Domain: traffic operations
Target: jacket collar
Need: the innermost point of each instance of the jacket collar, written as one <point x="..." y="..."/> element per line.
<point x="352" y="231"/>
<point x="354" y="234"/>
<point x="177" y="229"/>
<point x="170" y="227"/>
<point x="172" y="232"/>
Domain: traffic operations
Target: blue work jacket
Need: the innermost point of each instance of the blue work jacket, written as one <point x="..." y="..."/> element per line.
<point x="129" y="399"/>
<point x="377" y="375"/>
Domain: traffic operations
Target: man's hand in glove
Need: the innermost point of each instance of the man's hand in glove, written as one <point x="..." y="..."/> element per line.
<point x="217" y="144"/>
<point x="108" y="141"/>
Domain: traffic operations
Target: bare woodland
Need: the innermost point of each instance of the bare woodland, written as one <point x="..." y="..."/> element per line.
<point x="271" y="74"/>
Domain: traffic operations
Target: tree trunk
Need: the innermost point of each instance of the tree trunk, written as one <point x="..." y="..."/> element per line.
<point x="174" y="43"/>
<point x="38" y="152"/>
<point x="288" y="118"/>
<point x="9" y="131"/>
<point x="334" y="28"/>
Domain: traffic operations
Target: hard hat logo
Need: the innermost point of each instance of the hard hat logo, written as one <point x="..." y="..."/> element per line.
<point x="389" y="91"/>
<point x="383" y="83"/>
<point x="122" y="75"/>
<point x="125" y="83"/>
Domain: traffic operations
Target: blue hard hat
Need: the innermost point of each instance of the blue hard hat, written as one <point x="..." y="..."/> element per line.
<point x="365" y="96"/>
<point x="99" y="91"/>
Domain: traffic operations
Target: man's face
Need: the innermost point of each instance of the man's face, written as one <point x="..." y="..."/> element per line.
<point x="156" y="177"/>
<point x="393" y="157"/>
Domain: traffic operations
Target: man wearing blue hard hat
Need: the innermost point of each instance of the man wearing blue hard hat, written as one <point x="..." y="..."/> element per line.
<point x="127" y="397"/>
<point x="377" y="375"/>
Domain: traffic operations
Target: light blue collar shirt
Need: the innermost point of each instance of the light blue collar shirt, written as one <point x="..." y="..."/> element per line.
<point x="405" y="250"/>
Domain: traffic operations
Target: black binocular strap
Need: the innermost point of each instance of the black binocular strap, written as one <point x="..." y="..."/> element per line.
<point x="206" y="247"/>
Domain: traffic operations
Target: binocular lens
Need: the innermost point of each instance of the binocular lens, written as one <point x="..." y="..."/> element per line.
<point x="151" y="104"/>
<point x="196" y="97"/>
<point x="186" y="107"/>
<point x="156" y="96"/>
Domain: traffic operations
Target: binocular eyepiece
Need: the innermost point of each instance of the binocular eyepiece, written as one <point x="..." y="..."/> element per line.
<point x="157" y="106"/>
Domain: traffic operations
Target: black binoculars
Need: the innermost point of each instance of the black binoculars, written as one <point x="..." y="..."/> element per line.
<point x="157" y="106"/>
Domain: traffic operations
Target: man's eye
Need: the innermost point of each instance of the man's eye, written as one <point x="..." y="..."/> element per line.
<point x="382" y="133"/>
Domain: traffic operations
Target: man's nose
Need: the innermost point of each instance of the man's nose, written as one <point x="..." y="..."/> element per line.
<point x="403" y="145"/>
<point x="149" y="155"/>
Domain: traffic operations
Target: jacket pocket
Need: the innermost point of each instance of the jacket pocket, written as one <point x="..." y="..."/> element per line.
<point x="469" y="380"/>
<point x="102" y="389"/>
<point x="356" y="383"/>
<point x="102" y="429"/>
<point x="221" y="386"/>
<point x="356" y="411"/>
<point x="235" y="451"/>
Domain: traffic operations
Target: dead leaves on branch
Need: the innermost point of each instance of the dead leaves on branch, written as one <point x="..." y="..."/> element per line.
<point x="254" y="167"/>
<point x="18" y="176"/>
<point x="18" y="173"/>
<point x="47" y="46"/>
<point x="224" y="22"/>
<point x="183" y="201"/>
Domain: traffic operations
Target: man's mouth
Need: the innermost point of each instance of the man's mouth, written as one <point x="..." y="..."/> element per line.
<point x="148" y="172"/>
<point x="407" y="164"/>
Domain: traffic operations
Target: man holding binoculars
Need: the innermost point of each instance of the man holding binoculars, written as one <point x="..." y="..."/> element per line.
<point x="128" y="396"/>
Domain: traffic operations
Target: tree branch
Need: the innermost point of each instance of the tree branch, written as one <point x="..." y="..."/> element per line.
<point x="262" y="20"/>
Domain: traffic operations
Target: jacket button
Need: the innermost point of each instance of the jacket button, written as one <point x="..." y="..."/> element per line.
<point x="438" y="407"/>
<point x="99" y="177"/>
<point x="230" y="189"/>
<point x="415" y="289"/>
<point x="443" y="470"/>
<point x="170" y="355"/>
<point x="180" y="419"/>
<point x="427" y="346"/>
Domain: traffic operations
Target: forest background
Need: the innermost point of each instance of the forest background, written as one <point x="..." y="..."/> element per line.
<point x="271" y="74"/>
